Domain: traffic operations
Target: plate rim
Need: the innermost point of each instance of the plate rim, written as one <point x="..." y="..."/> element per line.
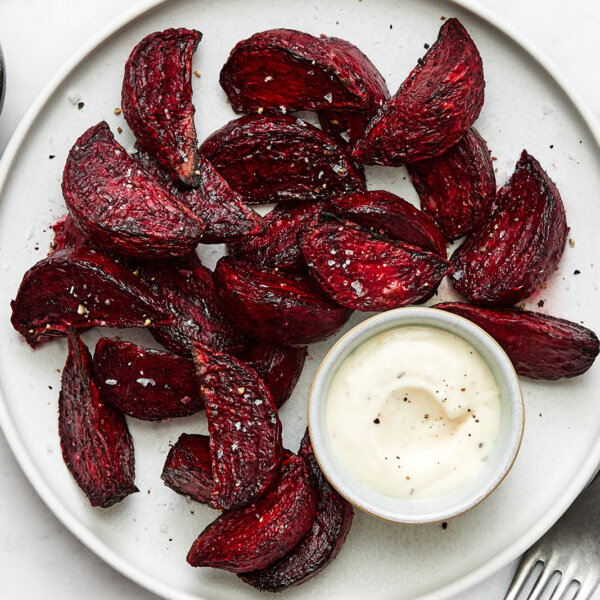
<point x="528" y="537"/>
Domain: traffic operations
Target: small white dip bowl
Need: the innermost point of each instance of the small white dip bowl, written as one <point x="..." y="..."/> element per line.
<point x="495" y="468"/>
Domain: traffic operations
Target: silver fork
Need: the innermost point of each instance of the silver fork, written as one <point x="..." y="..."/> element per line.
<point x="571" y="548"/>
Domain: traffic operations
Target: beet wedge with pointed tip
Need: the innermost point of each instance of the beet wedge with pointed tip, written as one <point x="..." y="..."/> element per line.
<point x="96" y="444"/>
<point x="157" y="100"/>
<point x="253" y="537"/>
<point x="244" y="428"/>
<point x="434" y="107"/>
<point x="366" y="271"/>
<point x="275" y="307"/>
<point x="120" y="206"/>
<point x="519" y="247"/>
<point x="280" y="158"/>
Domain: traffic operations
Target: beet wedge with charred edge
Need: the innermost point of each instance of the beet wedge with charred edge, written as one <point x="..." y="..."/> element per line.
<point x="221" y="209"/>
<point x="283" y="70"/>
<point x="391" y="215"/>
<point x="188" y="469"/>
<point x="96" y="444"/>
<point x="254" y="537"/>
<point x="245" y="431"/>
<point x="279" y="368"/>
<point x="146" y="384"/>
<point x="518" y="248"/>
<point x="120" y="206"/>
<point x="275" y="307"/>
<point x="280" y="158"/>
<point x="321" y="544"/>
<point x="539" y="346"/>
<point x="277" y="245"/>
<point x="368" y="271"/>
<point x="67" y="235"/>
<point x="434" y="107"/>
<point x="80" y="288"/>
<point x="457" y="188"/>
<point x="345" y="127"/>
<point x="157" y="100"/>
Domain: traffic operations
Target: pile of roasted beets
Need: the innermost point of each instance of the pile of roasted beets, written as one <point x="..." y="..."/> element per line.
<point x="235" y="340"/>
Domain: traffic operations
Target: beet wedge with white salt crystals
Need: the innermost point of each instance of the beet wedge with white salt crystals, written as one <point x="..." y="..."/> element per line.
<point x="320" y="545"/>
<point x="519" y="247"/>
<point x="279" y="158"/>
<point x="96" y="444"/>
<point x="434" y="107"/>
<point x="119" y="206"/>
<point x="539" y="346"/>
<point x="254" y="537"/>
<point x="283" y="70"/>
<point x="366" y="271"/>
<point x="389" y="214"/>
<point x="80" y="288"/>
<point x="278" y="308"/>
<point x="157" y="100"/>
<point x="146" y="384"/>
<point x="244" y="428"/>
<point x="188" y="468"/>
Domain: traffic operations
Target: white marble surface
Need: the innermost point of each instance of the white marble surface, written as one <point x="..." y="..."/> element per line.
<point x="39" y="558"/>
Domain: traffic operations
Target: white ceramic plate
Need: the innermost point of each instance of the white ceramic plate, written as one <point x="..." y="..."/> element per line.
<point x="147" y="536"/>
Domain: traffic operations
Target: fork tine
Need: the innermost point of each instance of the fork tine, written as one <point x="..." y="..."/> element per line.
<point x="540" y="584"/>
<point x="522" y="574"/>
<point x="586" y="589"/>
<point x="563" y="585"/>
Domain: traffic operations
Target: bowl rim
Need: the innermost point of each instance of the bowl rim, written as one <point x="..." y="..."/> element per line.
<point x="516" y="403"/>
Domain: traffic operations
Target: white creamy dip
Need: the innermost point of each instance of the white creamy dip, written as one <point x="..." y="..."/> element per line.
<point x="413" y="412"/>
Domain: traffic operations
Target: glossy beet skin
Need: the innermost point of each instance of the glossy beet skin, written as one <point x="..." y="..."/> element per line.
<point x="518" y="248"/>
<point x="287" y="70"/>
<point x="188" y="469"/>
<point x="245" y="431"/>
<point x="221" y="209"/>
<point x="366" y="271"/>
<point x="280" y="158"/>
<point x="94" y="438"/>
<point x="146" y="384"/>
<point x="67" y="235"/>
<point x="80" y="288"/>
<point x="277" y="245"/>
<point x="457" y="188"/>
<point x="120" y="206"/>
<point x="539" y="346"/>
<point x="278" y="367"/>
<point x="321" y="544"/>
<point x="434" y="107"/>
<point x="391" y="215"/>
<point x="253" y="537"/>
<point x="278" y="308"/>
<point x="157" y="100"/>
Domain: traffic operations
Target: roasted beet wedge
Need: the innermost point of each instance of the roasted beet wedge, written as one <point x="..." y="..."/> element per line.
<point x="366" y="271"/>
<point x="280" y="158"/>
<point x="144" y="383"/>
<point x="387" y="213"/>
<point x="94" y="438"/>
<point x="344" y="127"/>
<point x="518" y="248"/>
<point x="245" y="431"/>
<point x="120" y="206"/>
<point x="283" y="69"/>
<point x="157" y="100"/>
<point x="457" y="188"/>
<point x="318" y="547"/>
<point x="279" y="368"/>
<point x="67" y="235"/>
<point x="434" y="107"/>
<point x="277" y="245"/>
<point x="188" y="470"/>
<point x="539" y="346"/>
<point x="252" y="538"/>
<point x="221" y="209"/>
<point x="186" y="290"/>
<point x="80" y="288"/>
<point x="278" y="308"/>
